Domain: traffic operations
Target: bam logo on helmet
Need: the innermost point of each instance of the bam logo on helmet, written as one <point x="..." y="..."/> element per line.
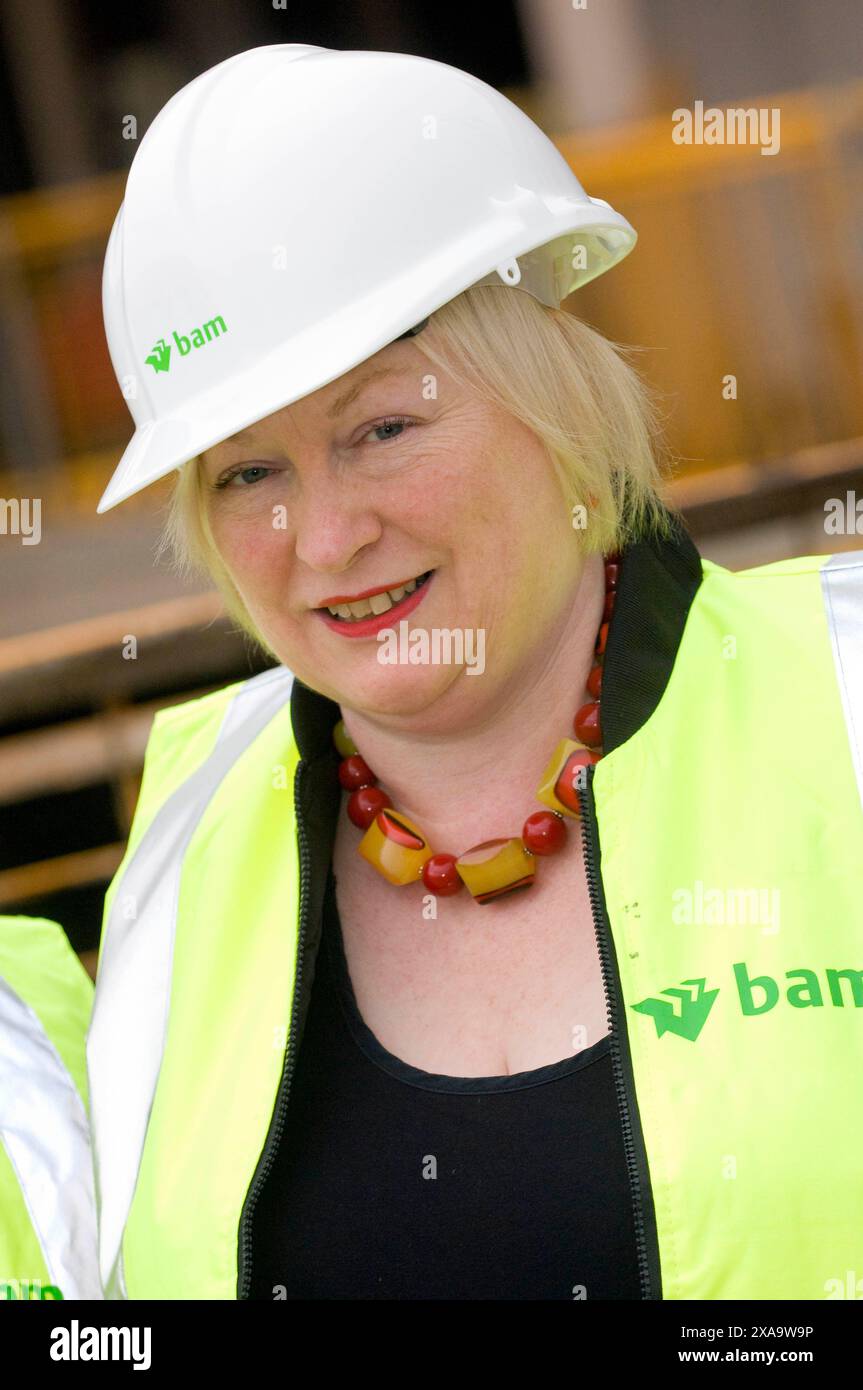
<point x="160" y="354"/>
<point x="696" y="1000"/>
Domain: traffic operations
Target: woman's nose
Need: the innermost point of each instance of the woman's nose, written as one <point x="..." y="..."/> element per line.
<point x="332" y="522"/>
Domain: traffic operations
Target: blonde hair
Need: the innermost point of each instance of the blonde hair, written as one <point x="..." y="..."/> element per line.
<point x="599" y="421"/>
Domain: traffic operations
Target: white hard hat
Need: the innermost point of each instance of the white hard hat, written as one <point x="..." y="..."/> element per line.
<point x="294" y="209"/>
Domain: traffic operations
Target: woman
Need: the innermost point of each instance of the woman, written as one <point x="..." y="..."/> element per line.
<point x="415" y="984"/>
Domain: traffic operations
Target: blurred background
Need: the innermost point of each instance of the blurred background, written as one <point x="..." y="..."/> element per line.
<point x="745" y="292"/>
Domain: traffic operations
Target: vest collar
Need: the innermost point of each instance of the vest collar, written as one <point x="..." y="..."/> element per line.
<point x="657" y="584"/>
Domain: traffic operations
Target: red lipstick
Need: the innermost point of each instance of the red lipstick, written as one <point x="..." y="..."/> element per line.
<point x="336" y="599"/>
<point x="375" y="623"/>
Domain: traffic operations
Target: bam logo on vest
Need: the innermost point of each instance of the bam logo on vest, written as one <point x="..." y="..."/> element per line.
<point x="28" y="1289"/>
<point x="684" y="1009"/>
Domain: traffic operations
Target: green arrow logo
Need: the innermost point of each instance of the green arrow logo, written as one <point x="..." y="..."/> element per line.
<point x="694" y="1008"/>
<point x="160" y="356"/>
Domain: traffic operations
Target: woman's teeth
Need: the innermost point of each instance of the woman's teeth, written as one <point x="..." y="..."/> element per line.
<point x="378" y="603"/>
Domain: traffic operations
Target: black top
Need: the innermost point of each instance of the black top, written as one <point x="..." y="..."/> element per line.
<point x="391" y="1182"/>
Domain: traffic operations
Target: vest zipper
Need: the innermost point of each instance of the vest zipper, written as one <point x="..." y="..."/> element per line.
<point x="277" y="1124"/>
<point x="648" y="1258"/>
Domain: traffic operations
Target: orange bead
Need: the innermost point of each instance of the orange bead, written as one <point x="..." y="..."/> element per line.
<point x="395" y="847"/>
<point x="594" y="682"/>
<point x="496" y="867"/>
<point x="563" y="777"/>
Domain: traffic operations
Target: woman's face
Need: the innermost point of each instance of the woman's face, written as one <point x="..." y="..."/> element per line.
<point x="325" y="500"/>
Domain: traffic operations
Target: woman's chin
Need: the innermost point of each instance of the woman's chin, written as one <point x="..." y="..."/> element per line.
<point x="397" y="689"/>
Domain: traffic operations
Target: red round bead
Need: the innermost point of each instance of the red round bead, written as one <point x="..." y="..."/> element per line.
<point x="354" y="772"/>
<point x="587" y="726"/>
<point x="364" y="804"/>
<point x="594" y="682"/>
<point x="612" y="572"/>
<point x="601" y="639"/>
<point x="544" y="832"/>
<point x="441" y="876"/>
<point x="609" y="605"/>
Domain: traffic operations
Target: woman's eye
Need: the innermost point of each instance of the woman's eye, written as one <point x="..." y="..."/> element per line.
<point x="383" y="430"/>
<point x="391" y="428"/>
<point x="239" y="472"/>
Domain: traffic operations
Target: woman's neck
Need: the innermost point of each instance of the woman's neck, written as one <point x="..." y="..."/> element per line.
<point x="479" y="781"/>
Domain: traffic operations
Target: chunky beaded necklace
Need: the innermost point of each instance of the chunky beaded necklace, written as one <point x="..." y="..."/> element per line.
<point x="400" y="851"/>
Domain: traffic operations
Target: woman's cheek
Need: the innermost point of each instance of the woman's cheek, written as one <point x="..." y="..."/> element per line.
<point x="248" y="542"/>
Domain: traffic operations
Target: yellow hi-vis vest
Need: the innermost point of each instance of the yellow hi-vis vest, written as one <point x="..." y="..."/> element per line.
<point x="48" y="1244"/>
<point x="724" y="853"/>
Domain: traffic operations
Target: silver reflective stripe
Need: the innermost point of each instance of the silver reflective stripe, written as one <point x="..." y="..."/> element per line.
<point x="133" y="988"/>
<point x="842" y="587"/>
<point x="43" y="1128"/>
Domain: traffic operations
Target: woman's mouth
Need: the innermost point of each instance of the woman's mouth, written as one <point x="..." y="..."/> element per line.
<point x="369" y="616"/>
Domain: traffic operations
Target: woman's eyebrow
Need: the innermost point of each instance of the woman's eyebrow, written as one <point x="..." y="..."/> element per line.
<point x="348" y="397"/>
<point x="237" y="438"/>
<point x="339" y="405"/>
<point x="241" y="436"/>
